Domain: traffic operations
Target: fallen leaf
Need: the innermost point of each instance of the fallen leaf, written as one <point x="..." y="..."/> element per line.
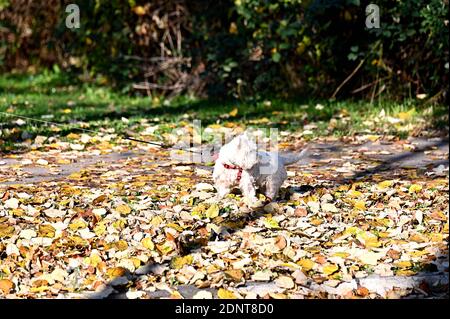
<point x="6" y="230"/>
<point x="212" y="211"/>
<point x="234" y="274"/>
<point x="6" y="286"/>
<point x="179" y="262"/>
<point x="370" y="258"/>
<point x="330" y="269"/>
<point x="306" y="264"/>
<point x="148" y="243"/>
<point x="285" y="282"/>
<point x="226" y="294"/>
<point x="233" y="112"/>
<point x="12" y="203"/>
<point x="123" y="209"/>
<point x="280" y="242"/>
<point x="46" y="231"/>
<point x="415" y="188"/>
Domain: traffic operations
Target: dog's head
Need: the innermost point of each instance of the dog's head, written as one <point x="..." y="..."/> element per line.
<point x="242" y="151"/>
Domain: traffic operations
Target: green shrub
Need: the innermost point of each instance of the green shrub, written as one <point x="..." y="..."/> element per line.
<point x="245" y="48"/>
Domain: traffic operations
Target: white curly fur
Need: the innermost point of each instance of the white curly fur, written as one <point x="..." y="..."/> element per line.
<point x="265" y="170"/>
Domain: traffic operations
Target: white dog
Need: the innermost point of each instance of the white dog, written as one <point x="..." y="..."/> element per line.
<point x="241" y="164"/>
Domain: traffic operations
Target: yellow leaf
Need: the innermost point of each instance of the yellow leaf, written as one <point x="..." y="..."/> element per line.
<point x="418" y="253"/>
<point x="116" y="272"/>
<point x="175" y="226"/>
<point x="359" y="205"/>
<point x="372" y="242"/>
<point x="406" y="115"/>
<point x="329" y="269"/>
<point x="436" y="237"/>
<point x="63" y="161"/>
<point x="136" y="262"/>
<point x="156" y="221"/>
<point x="77" y="224"/>
<point x="179" y="262"/>
<point x="351" y="230"/>
<point x="306" y="264"/>
<point x="75" y="175"/>
<point x="365" y="236"/>
<point x="139" y="10"/>
<point x="74" y="241"/>
<point x="212" y="211"/>
<point x="119" y="245"/>
<point x="234" y="112"/>
<point x="403" y="264"/>
<point x="271" y="223"/>
<point x="100" y="229"/>
<point x="73" y="136"/>
<point x="119" y="224"/>
<point x="46" y="231"/>
<point x="385" y="184"/>
<point x="124" y="209"/>
<point x="39" y="289"/>
<point x="341" y="254"/>
<point x="95" y="259"/>
<point x="419" y="238"/>
<point x="6" y="230"/>
<point x="343" y="188"/>
<point x="405" y="272"/>
<point x="148" y="243"/>
<point x="233" y="30"/>
<point x="373" y="138"/>
<point x="139" y="184"/>
<point x="226" y="294"/>
<point x="165" y="248"/>
<point x="353" y="193"/>
<point x="415" y="188"/>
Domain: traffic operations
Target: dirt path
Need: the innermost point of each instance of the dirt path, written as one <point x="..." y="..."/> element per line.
<point x="426" y="154"/>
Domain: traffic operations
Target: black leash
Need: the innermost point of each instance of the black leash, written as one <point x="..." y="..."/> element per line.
<point x="126" y="137"/>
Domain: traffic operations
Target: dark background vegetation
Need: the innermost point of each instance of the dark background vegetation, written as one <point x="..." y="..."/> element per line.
<point x="241" y="48"/>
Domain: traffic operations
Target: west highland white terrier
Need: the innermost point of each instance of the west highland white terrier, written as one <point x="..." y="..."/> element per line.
<point x="241" y="164"/>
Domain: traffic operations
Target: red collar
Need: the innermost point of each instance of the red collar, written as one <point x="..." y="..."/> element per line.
<point x="239" y="175"/>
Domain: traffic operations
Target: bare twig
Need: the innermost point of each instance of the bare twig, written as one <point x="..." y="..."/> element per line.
<point x="348" y="78"/>
<point x="366" y="86"/>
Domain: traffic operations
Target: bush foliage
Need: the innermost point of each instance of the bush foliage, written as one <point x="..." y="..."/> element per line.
<point x="242" y="48"/>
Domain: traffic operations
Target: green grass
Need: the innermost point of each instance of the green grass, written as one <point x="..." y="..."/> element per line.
<point x="59" y="98"/>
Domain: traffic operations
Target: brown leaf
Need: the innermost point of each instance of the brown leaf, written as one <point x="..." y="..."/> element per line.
<point x="320" y="259"/>
<point x="234" y="274"/>
<point x="6" y="285"/>
<point x="280" y="242"/>
<point x="99" y="199"/>
<point x="362" y="291"/>
<point x="393" y="254"/>
<point x="300" y="212"/>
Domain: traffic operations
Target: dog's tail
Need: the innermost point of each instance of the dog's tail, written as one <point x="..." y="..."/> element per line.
<point x="290" y="159"/>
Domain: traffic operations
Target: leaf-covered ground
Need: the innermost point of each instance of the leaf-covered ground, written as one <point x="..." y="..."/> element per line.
<point x="93" y="215"/>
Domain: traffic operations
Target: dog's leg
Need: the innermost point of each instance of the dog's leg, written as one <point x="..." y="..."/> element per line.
<point x="247" y="186"/>
<point x="222" y="191"/>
